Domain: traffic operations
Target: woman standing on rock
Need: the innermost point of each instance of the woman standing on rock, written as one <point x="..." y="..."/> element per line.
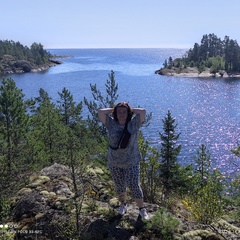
<point x="123" y="153"/>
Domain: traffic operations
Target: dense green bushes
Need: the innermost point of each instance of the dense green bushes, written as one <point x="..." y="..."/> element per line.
<point x="36" y="133"/>
<point x="205" y="198"/>
<point x="163" y="224"/>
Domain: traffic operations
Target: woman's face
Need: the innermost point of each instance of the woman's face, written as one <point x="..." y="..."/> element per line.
<point x="122" y="114"/>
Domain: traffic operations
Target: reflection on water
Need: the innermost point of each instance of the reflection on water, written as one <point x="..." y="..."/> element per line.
<point x="206" y="110"/>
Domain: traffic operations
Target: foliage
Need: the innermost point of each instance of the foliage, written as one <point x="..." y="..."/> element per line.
<point x="13" y="122"/>
<point x="213" y="53"/>
<point x="203" y="165"/>
<point x="68" y="109"/>
<point x="236" y="151"/>
<point x="37" y="132"/>
<point x="206" y="204"/>
<point x="49" y="133"/>
<point x="101" y="101"/>
<point x="234" y="190"/>
<point x="46" y="137"/>
<point x="6" y="235"/>
<point x="4" y="208"/>
<point x="149" y="167"/>
<point x="163" y="223"/>
<point x="78" y="167"/>
<point x="186" y="182"/>
<point x="204" y="200"/>
<point x="35" y="54"/>
<point x="169" y="168"/>
<point x="14" y="125"/>
<point x="161" y="175"/>
<point x="13" y="118"/>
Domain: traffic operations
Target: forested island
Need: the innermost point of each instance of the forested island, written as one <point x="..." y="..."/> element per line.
<point x="16" y="58"/>
<point x="212" y="57"/>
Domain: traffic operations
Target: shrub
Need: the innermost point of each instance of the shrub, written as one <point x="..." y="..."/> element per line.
<point x="204" y="200"/>
<point x="4" y="208"/>
<point x="163" y="224"/>
<point x="205" y="204"/>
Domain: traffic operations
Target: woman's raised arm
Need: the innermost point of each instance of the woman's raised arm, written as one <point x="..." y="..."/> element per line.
<point x="102" y="114"/>
<point x="141" y="112"/>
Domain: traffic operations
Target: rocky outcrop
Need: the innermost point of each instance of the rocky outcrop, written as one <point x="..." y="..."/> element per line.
<point x="193" y="72"/>
<point x="38" y="209"/>
<point x="46" y="208"/>
<point x="10" y="65"/>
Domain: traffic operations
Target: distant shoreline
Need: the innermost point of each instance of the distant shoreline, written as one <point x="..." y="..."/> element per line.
<point x="8" y="66"/>
<point x="193" y="72"/>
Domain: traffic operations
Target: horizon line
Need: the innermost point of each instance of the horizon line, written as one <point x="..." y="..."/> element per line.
<point x="116" y="48"/>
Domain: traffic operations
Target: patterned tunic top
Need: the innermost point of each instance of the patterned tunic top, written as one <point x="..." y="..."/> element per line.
<point x="123" y="158"/>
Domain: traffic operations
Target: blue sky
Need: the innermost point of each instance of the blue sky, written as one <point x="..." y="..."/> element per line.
<point x="120" y="24"/>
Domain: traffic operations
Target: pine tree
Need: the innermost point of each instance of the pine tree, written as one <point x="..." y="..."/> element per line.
<point x="203" y="164"/>
<point x="169" y="168"/>
<point x="68" y="109"/>
<point x="13" y="131"/>
<point x="13" y="122"/>
<point x="205" y="197"/>
<point x="101" y="101"/>
<point x="70" y="114"/>
<point x="47" y="137"/>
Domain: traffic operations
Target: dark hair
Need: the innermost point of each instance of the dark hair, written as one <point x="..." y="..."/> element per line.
<point x="129" y="110"/>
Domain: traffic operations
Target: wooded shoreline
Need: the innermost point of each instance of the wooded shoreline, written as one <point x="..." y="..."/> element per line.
<point x="9" y="65"/>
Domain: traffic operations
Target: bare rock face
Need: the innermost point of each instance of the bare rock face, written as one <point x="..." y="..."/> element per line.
<point x="22" y="66"/>
<point x="55" y="171"/>
<point x="9" y="65"/>
<point x="39" y="208"/>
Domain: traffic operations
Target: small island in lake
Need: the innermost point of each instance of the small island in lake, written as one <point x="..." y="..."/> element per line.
<point x="16" y="58"/>
<point x="212" y="58"/>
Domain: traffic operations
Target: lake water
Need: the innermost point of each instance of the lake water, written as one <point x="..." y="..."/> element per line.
<point x="206" y="109"/>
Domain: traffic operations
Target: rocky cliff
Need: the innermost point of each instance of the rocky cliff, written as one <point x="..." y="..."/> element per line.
<point x="10" y="65"/>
